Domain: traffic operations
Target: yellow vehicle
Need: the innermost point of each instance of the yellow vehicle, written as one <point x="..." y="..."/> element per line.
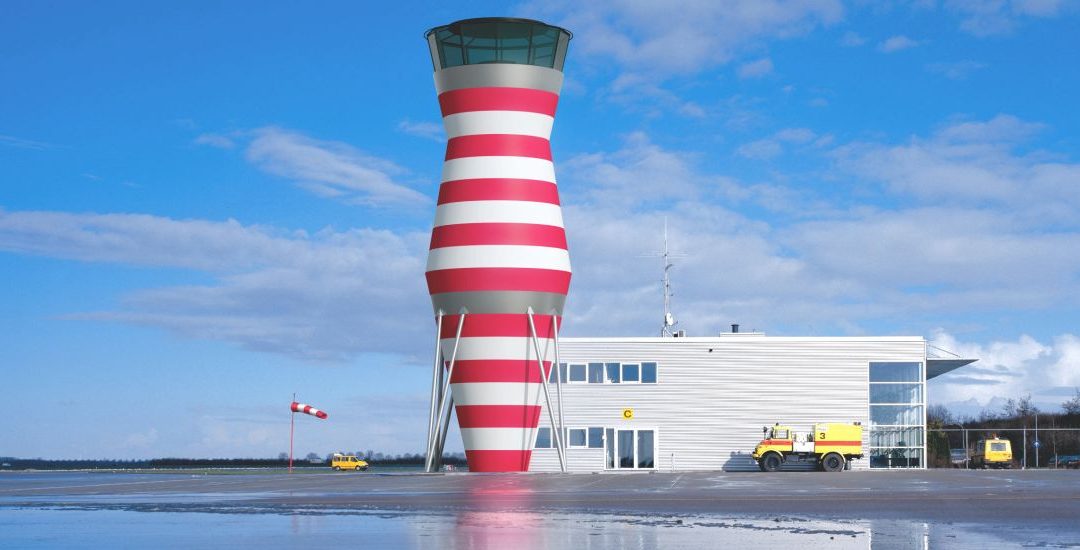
<point x="994" y="452"/>
<point x="830" y="446"/>
<point x="347" y="462"/>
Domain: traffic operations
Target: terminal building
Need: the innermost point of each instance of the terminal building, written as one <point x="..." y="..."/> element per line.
<point x="699" y="403"/>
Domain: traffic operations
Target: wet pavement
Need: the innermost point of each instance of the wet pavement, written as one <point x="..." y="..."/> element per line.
<point x="915" y="509"/>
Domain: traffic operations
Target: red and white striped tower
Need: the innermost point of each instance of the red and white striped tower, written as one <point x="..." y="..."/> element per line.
<point x="498" y="249"/>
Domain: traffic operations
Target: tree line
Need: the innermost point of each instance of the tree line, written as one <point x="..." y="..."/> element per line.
<point x="282" y="461"/>
<point x="1016" y="414"/>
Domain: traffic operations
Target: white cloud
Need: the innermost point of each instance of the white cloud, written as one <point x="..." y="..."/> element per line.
<point x="975" y="164"/>
<point x="762" y="149"/>
<point x="640" y="171"/>
<point x="1048" y="371"/>
<point x="215" y="140"/>
<point x="312" y="296"/>
<point x="773" y="146"/>
<point x="22" y="143"/>
<point x="996" y="17"/>
<point x="835" y="262"/>
<point x="331" y="168"/>
<point x="796" y="135"/>
<point x="897" y="43"/>
<point x="958" y="70"/>
<point x="427" y="130"/>
<point x="756" y="69"/>
<point x="852" y="39"/>
<point x="641" y="45"/>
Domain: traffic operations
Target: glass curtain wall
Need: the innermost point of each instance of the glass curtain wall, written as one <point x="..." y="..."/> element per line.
<point x="897" y="415"/>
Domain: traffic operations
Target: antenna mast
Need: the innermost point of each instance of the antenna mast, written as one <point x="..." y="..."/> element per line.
<point x="667" y="255"/>
<point x="669" y="319"/>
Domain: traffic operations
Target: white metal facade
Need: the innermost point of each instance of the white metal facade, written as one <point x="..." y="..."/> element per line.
<point x="714" y="394"/>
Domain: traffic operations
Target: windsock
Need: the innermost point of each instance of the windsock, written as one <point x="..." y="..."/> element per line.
<point x="307" y="409"/>
<point x="498" y="247"/>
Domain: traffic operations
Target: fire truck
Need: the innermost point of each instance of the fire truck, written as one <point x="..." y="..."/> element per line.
<point x="830" y="446"/>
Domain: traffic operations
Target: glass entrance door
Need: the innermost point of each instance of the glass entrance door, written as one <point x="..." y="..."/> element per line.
<point x="625" y="452"/>
<point x="630" y="449"/>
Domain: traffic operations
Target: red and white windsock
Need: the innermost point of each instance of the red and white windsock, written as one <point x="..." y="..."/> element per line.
<point x="307" y="409"/>
<point x="498" y="247"/>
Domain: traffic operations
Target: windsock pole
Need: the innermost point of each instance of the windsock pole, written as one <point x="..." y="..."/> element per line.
<point x="294" y="408"/>
<point x="292" y="428"/>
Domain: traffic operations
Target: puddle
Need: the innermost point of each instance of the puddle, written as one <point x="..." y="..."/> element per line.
<point x="189" y="525"/>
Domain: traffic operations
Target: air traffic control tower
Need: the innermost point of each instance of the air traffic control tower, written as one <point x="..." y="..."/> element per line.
<point x="498" y="270"/>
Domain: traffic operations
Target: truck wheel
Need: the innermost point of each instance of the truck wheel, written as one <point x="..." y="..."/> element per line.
<point x="771" y="462"/>
<point x="832" y="462"/>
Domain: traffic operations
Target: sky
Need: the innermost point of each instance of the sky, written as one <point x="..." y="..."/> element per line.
<point x="206" y="207"/>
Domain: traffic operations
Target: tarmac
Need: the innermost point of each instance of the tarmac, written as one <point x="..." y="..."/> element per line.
<point x="1031" y="507"/>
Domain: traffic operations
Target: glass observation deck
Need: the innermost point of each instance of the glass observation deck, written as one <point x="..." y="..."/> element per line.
<point x="498" y="40"/>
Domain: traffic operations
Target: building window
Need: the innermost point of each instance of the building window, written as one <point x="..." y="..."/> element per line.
<point x="596" y="438"/>
<point x="895" y="372"/>
<point x="562" y="374"/>
<point x="577" y="438"/>
<point x="896" y="393"/>
<point x="648" y="373"/>
<point x="630" y="372"/>
<point x="613" y="373"/>
<point x="577" y="373"/>
<point x="897" y="415"/>
<point x="596" y="373"/>
<point x="543" y="438"/>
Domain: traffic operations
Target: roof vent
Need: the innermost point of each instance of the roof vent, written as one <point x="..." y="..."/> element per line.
<point x="734" y="328"/>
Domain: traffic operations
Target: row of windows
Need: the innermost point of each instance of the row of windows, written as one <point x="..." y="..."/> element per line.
<point x="576" y="438"/>
<point x="606" y="373"/>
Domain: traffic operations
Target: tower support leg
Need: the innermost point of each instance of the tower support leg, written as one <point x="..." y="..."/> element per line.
<point x="555" y="429"/>
<point x="438" y="435"/>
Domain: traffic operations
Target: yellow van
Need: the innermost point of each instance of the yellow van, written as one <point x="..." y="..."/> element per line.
<point x="992" y="453"/>
<point x="347" y="462"/>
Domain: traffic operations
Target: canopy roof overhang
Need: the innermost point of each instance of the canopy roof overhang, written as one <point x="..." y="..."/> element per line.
<point x="936" y="367"/>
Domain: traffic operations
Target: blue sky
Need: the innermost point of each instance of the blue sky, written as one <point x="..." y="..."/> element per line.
<point x="206" y="207"/>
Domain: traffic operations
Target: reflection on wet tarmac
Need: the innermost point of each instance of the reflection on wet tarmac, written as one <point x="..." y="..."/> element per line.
<point x="924" y="509"/>
<point x="159" y="525"/>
